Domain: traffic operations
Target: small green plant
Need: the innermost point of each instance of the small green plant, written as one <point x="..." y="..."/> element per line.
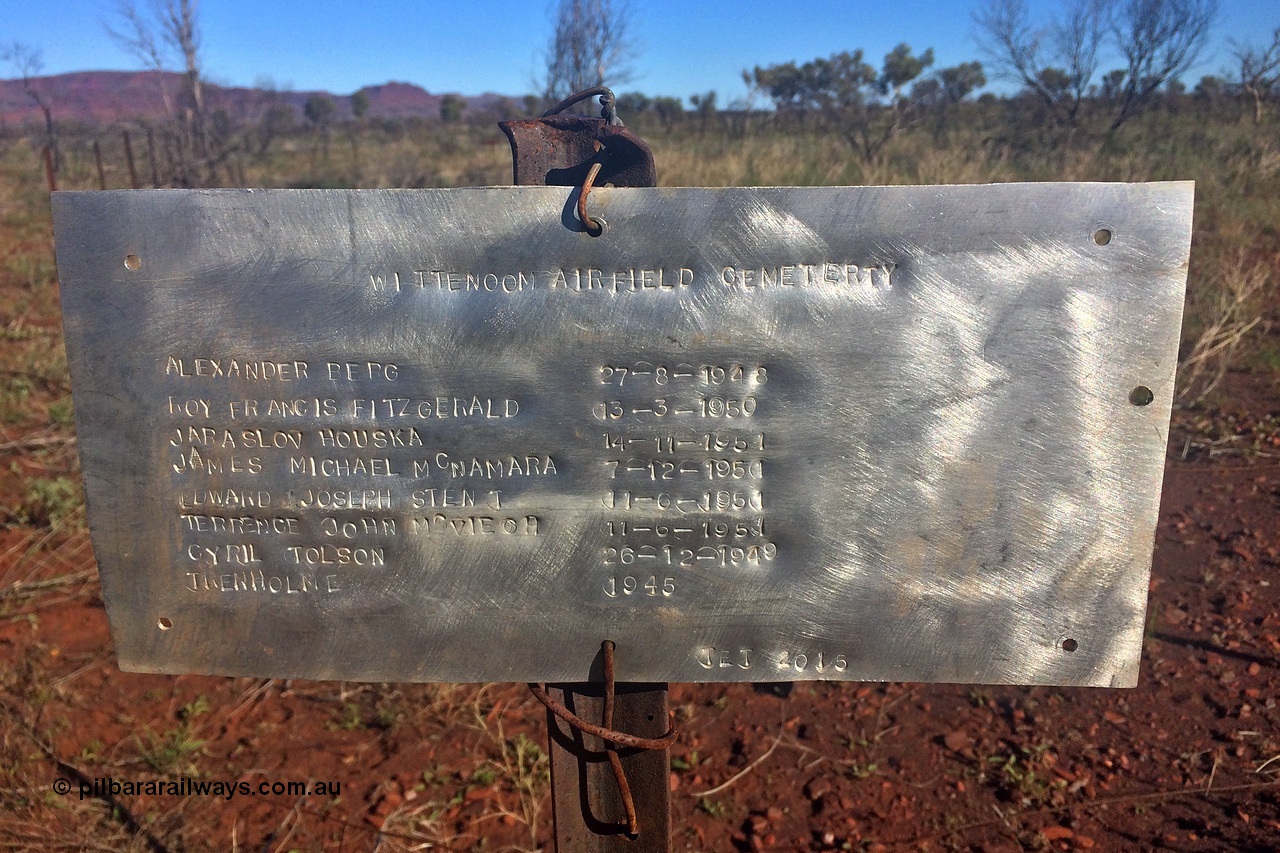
<point x="682" y="764"/>
<point x="1022" y="774"/>
<point x="50" y="501"/>
<point x="862" y="771"/>
<point x="713" y="808"/>
<point x="388" y="712"/>
<point x="90" y="751"/>
<point x="484" y="776"/>
<point x="13" y="399"/>
<point x="853" y="744"/>
<point x="193" y="709"/>
<point x="349" y="719"/>
<point x="529" y="762"/>
<point x="61" y="413"/>
<point x="174" y="751"/>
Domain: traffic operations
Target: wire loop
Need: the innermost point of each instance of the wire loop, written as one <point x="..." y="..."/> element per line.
<point x="593" y="226"/>
<point x="606" y="733"/>
<point x="608" y="104"/>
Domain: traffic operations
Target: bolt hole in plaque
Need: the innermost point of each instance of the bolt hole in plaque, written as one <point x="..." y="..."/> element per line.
<point x="132" y="262"/>
<point x="1141" y="396"/>
<point x="165" y="623"/>
<point x="1103" y="236"/>
<point x="1070" y="645"/>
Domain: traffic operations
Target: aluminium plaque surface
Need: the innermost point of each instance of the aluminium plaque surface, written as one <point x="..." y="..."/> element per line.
<point x="888" y="433"/>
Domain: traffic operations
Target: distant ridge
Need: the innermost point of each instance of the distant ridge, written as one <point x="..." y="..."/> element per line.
<point x="112" y="96"/>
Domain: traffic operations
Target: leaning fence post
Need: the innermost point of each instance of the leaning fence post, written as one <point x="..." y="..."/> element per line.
<point x="50" y="175"/>
<point x="128" y="156"/>
<point x="97" y="158"/>
<point x="151" y="156"/>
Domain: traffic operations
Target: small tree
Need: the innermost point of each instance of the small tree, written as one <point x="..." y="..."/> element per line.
<point x="704" y="104"/>
<point x="360" y="105"/>
<point x="1055" y="61"/>
<point x="669" y="110"/>
<point x="1160" y="40"/>
<point x="359" y="109"/>
<point x="947" y="88"/>
<point x="28" y="63"/>
<point x="168" y="29"/>
<point x="451" y="108"/>
<point x="867" y="107"/>
<point x="320" y="111"/>
<point x="591" y="45"/>
<point x="276" y="120"/>
<point x="1259" y="72"/>
<point x="961" y="81"/>
<point x="633" y="104"/>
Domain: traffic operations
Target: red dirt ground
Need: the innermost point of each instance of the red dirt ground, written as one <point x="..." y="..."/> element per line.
<point x="1188" y="761"/>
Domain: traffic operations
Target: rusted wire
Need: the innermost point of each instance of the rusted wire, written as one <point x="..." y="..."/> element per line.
<point x="624" y="787"/>
<point x="594" y="227"/>
<point x="608" y="104"/>
<point x="606" y="733"/>
<point x="539" y="692"/>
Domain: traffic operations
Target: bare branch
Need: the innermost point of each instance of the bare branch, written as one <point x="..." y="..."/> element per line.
<point x="1259" y="71"/>
<point x="136" y="35"/>
<point x="1159" y="39"/>
<point x="165" y="30"/>
<point x="590" y="46"/>
<point x="1057" y="61"/>
<point x="1079" y="39"/>
<point x="26" y="60"/>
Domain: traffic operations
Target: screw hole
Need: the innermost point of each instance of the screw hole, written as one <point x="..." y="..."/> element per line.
<point x="1102" y="236"/>
<point x="132" y="262"/>
<point x="599" y="223"/>
<point x="649" y="717"/>
<point x="165" y="623"/>
<point x="1069" y="645"/>
<point x="1141" y="396"/>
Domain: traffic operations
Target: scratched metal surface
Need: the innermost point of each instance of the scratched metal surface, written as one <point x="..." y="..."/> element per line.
<point x="747" y="434"/>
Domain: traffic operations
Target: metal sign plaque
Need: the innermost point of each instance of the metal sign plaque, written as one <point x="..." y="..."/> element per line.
<point x="885" y="433"/>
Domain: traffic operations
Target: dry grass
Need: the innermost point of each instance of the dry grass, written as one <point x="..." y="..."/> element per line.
<point x="1244" y="288"/>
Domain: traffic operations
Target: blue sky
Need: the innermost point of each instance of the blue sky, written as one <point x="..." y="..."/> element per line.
<point x="498" y="46"/>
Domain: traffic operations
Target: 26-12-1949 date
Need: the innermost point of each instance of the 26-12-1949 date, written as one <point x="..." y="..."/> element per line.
<point x="693" y="557"/>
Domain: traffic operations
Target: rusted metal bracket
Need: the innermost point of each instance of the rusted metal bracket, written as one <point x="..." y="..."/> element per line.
<point x="557" y="151"/>
<point x="606" y="796"/>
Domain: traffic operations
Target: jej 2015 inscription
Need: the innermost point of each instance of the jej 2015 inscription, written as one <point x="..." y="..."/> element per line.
<point x="906" y="433"/>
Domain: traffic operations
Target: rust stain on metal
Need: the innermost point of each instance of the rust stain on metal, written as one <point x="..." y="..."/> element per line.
<point x="559" y="150"/>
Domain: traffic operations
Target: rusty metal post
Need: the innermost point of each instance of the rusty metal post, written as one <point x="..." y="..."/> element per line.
<point x="151" y="155"/>
<point x="587" y="805"/>
<point x="50" y="174"/>
<point x="97" y="156"/>
<point x="128" y="156"/>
